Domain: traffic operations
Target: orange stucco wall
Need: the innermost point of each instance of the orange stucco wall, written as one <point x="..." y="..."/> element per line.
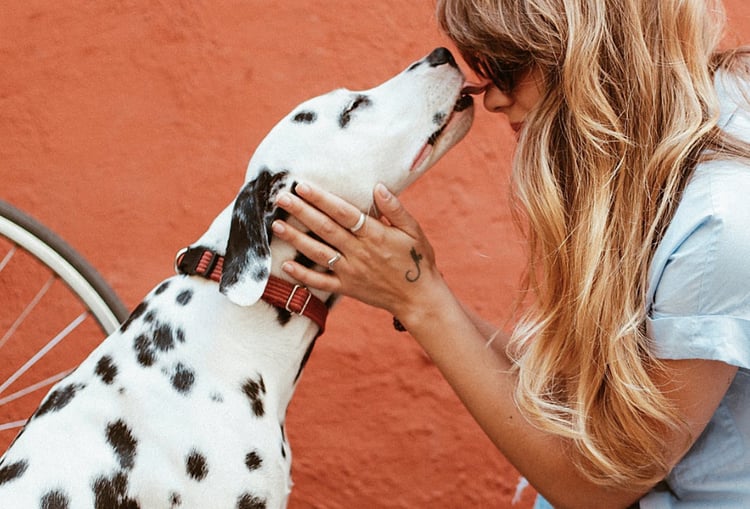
<point x="126" y="126"/>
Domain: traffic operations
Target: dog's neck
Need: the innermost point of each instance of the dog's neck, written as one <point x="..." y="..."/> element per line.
<point x="217" y="236"/>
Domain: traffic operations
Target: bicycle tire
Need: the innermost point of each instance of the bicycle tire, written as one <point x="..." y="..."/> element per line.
<point x="25" y="231"/>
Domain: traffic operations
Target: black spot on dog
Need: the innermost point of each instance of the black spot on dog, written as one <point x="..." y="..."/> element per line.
<point x="111" y="493"/>
<point x="254" y="392"/>
<point x="331" y="300"/>
<point x="439" y="118"/>
<point x="12" y="471"/>
<point x="217" y="398"/>
<point x="283" y="316"/>
<point x="305" y="117"/>
<point x="281" y="214"/>
<point x="183" y="378"/>
<point x="260" y="274"/>
<point x="137" y="312"/>
<point x="162" y="288"/>
<point x="183" y="298"/>
<point x="413" y="66"/>
<point x="305" y="358"/>
<point x="304" y="260"/>
<point x="150" y="317"/>
<point x="253" y="461"/>
<point x="54" y="500"/>
<point x="434" y="136"/>
<point x="196" y="465"/>
<point x="248" y="501"/>
<point x="175" y="499"/>
<point x="58" y="399"/>
<point x="180" y="335"/>
<point x="106" y="369"/>
<point x="120" y="437"/>
<point x="144" y="350"/>
<point x="283" y="442"/>
<point x="163" y="337"/>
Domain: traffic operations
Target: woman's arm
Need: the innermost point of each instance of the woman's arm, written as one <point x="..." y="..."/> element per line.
<point x="374" y="268"/>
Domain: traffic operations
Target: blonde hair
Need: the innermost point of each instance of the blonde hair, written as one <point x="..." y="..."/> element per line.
<point x="629" y="108"/>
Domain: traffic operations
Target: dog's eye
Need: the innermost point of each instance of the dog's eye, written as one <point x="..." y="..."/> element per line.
<point x="359" y="101"/>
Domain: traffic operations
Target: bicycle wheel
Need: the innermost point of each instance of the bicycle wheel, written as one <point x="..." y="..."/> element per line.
<point x="55" y="309"/>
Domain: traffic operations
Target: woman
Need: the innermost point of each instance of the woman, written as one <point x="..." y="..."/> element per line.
<point x="628" y="378"/>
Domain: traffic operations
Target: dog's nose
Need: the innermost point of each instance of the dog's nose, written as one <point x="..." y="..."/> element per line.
<point x="441" y="56"/>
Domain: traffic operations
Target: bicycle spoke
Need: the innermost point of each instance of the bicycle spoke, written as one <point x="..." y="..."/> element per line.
<point x="29" y="308"/>
<point x="13" y="425"/>
<point x="7" y="258"/>
<point x="31" y="388"/>
<point x="41" y="353"/>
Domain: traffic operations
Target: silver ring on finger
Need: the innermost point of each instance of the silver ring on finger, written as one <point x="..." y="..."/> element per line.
<point x="360" y="223"/>
<point x="333" y="260"/>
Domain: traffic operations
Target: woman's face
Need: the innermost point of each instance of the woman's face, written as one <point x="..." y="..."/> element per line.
<point x="514" y="104"/>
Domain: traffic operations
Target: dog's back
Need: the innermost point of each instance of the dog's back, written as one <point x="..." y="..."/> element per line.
<point x="170" y="402"/>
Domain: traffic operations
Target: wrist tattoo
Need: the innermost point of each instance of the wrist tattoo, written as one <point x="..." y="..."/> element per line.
<point x="410" y="275"/>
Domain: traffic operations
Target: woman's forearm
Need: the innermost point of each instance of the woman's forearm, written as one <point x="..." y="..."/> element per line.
<point x="481" y="376"/>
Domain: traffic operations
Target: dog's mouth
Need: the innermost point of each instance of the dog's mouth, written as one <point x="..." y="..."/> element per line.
<point x="464" y="102"/>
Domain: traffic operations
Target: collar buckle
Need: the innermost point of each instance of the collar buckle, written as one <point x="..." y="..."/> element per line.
<point x="288" y="304"/>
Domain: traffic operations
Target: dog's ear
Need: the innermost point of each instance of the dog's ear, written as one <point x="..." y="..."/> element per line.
<point x="247" y="262"/>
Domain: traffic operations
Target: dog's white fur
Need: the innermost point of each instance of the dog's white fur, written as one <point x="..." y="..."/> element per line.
<point x="185" y="405"/>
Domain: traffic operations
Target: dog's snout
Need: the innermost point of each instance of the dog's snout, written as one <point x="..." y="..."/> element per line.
<point x="441" y="56"/>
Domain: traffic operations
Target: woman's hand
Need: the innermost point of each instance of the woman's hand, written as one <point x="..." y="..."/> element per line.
<point x="387" y="263"/>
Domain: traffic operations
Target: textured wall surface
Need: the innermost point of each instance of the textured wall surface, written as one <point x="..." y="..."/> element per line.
<point x="127" y="125"/>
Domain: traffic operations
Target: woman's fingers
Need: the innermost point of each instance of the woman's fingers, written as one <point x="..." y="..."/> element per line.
<point x="312" y="279"/>
<point x="391" y="209"/>
<point x="324" y="213"/>
<point x="318" y="252"/>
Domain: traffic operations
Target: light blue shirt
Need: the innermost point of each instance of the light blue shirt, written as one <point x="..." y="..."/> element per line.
<point x="699" y="308"/>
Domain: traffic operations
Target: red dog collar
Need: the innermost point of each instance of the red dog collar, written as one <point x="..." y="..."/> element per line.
<point x="297" y="299"/>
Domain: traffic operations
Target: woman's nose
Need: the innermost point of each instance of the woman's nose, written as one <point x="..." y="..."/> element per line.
<point x="494" y="99"/>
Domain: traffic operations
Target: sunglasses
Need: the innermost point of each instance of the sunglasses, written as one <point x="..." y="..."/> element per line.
<point x="504" y="75"/>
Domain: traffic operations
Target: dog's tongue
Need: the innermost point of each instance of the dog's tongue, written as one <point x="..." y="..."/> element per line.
<point x="422" y="156"/>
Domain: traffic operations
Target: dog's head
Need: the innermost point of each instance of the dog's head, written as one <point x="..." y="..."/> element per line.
<point x="345" y="142"/>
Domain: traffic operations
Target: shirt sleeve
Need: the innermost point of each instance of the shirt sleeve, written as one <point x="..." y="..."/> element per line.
<point x="699" y="283"/>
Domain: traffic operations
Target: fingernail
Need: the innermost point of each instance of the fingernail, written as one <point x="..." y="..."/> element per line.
<point x="287" y="267"/>
<point x="383" y="192"/>
<point x="277" y="227"/>
<point x="302" y="188"/>
<point x="284" y="199"/>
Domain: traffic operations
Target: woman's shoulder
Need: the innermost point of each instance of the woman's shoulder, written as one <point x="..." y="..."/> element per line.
<point x="716" y="200"/>
<point x="702" y="259"/>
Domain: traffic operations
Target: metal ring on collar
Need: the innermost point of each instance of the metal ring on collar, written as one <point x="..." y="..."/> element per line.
<point x="360" y="223"/>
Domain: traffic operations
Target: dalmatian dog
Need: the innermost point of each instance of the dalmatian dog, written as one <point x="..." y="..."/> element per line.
<point x="184" y="405"/>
